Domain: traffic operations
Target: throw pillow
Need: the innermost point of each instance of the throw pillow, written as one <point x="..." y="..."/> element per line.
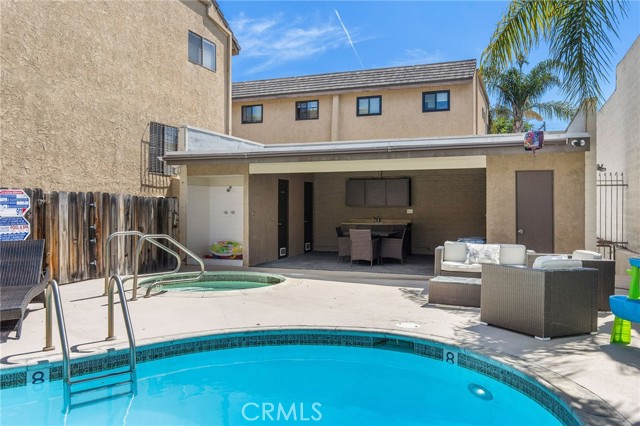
<point x="483" y="253"/>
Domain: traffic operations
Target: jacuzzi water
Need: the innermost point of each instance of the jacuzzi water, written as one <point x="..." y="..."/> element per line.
<point x="289" y="385"/>
<point x="215" y="281"/>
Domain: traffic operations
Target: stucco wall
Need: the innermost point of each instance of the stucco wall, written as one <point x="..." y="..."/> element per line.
<point x="568" y="196"/>
<point x="401" y="117"/>
<point x="618" y="129"/>
<point x="80" y="83"/>
<point x="446" y="204"/>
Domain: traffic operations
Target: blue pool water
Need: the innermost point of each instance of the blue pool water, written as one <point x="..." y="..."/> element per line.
<point x="214" y="281"/>
<point x="290" y="385"/>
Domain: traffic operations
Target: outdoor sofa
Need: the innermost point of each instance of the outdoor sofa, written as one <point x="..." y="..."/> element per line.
<point x="461" y="259"/>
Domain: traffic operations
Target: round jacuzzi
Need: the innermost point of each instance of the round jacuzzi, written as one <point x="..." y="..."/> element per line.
<point x="210" y="281"/>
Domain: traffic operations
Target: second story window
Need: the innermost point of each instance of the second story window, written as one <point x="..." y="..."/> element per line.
<point x="162" y="139"/>
<point x="435" y="101"/>
<point x="369" y="105"/>
<point x="202" y="51"/>
<point x="307" y="110"/>
<point x="251" y="114"/>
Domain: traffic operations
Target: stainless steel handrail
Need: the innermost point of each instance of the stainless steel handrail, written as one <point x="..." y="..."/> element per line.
<point x="52" y="294"/>
<point x="53" y="290"/>
<point x="127" y="319"/>
<point x="154" y="237"/>
<point x="107" y="265"/>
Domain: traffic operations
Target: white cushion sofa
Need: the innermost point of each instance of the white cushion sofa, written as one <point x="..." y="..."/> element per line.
<point x="459" y="259"/>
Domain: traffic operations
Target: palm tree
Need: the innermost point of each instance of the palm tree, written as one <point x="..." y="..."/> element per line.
<point x="578" y="35"/>
<point x="519" y="93"/>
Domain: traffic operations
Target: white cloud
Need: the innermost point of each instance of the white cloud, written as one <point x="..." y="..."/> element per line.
<point x="417" y="56"/>
<point x="277" y="39"/>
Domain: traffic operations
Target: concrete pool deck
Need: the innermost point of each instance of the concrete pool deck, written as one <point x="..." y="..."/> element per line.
<point x="329" y="300"/>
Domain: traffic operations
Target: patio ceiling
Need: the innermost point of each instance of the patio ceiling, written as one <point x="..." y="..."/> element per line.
<point x="432" y="163"/>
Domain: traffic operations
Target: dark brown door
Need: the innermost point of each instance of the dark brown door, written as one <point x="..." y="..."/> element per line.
<point x="308" y="216"/>
<point x="283" y="218"/>
<point x="534" y="210"/>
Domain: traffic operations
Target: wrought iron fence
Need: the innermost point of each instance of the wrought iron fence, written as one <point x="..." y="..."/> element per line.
<point x="610" y="230"/>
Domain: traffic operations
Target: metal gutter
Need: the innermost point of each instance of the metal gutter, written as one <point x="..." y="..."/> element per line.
<point x="368" y="147"/>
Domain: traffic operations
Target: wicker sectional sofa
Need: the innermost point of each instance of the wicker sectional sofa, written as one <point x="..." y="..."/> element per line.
<point x="606" y="277"/>
<point x="452" y="258"/>
<point x="543" y="303"/>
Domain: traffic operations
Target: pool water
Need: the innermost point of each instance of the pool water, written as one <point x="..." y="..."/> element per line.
<point x="290" y="385"/>
<point x="215" y="281"/>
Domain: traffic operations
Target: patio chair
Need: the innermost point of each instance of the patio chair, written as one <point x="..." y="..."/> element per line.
<point x="543" y="303"/>
<point x="21" y="278"/>
<point x="344" y="244"/>
<point x="393" y="247"/>
<point x="363" y="247"/>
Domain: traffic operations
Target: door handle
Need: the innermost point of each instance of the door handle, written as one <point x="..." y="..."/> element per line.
<point x="520" y="231"/>
<point x="279" y="224"/>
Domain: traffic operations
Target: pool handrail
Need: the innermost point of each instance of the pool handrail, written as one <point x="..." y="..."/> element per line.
<point x="52" y="294"/>
<point x="107" y="264"/>
<point x="154" y="237"/>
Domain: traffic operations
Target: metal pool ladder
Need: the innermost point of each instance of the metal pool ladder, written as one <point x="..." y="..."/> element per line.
<point x="68" y="381"/>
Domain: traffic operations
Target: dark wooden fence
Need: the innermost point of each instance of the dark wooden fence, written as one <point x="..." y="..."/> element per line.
<point x="76" y="225"/>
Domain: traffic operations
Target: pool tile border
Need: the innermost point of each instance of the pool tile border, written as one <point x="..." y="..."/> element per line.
<point x="376" y="340"/>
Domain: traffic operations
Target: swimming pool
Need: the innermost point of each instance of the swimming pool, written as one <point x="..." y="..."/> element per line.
<point x="304" y="377"/>
<point x="213" y="281"/>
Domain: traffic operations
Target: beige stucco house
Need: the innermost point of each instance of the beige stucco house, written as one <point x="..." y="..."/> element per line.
<point x="619" y="153"/>
<point x="431" y="100"/>
<point x="92" y="93"/>
<point x="285" y="179"/>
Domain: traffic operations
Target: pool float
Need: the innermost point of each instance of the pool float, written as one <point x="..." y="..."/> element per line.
<point x="228" y="249"/>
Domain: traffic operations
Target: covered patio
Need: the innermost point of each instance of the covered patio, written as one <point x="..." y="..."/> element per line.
<point x="289" y="198"/>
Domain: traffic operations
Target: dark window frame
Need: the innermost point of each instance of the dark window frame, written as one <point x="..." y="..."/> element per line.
<point x="200" y="60"/>
<point x="162" y="139"/>
<point x="436" y="109"/>
<point x="244" y="107"/>
<point x="317" y="108"/>
<point x="379" y="97"/>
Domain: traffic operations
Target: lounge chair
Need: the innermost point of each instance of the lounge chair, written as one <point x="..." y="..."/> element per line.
<point x="393" y="247"/>
<point x="363" y="247"/>
<point x="21" y="278"/>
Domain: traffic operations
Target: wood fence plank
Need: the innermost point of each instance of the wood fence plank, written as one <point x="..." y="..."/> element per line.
<point x="72" y="264"/>
<point x="83" y="240"/>
<point x="63" y="236"/>
<point x="53" y="234"/>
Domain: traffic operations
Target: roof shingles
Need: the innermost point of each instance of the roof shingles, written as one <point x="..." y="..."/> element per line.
<point x="336" y="82"/>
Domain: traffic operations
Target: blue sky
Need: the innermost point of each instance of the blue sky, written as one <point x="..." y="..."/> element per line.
<point x="293" y="38"/>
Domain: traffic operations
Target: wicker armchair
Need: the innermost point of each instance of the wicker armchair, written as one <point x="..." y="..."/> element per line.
<point x="606" y="276"/>
<point x="543" y="303"/>
<point x="363" y="247"/>
<point x="21" y="279"/>
<point x="344" y="244"/>
<point x="393" y="247"/>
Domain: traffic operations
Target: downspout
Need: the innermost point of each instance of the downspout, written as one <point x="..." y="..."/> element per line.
<point x="475" y="102"/>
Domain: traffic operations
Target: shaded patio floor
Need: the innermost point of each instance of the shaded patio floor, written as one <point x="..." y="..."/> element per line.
<point x="418" y="264"/>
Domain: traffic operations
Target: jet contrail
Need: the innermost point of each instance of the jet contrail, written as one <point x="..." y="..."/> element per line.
<point x="348" y="37"/>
